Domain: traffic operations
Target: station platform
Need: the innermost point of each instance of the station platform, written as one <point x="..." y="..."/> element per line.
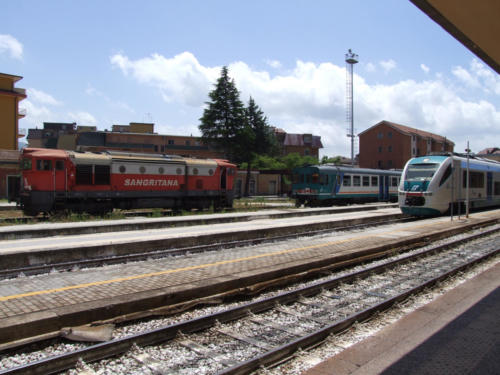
<point x="217" y="229"/>
<point x="458" y="333"/>
<point x="45" y="304"/>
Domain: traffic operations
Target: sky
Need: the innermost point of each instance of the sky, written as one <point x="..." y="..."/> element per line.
<point x="111" y="62"/>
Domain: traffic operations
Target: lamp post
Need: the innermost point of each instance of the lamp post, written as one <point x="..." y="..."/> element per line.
<point x="350" y="58"/>
<point x="467" y="202"/>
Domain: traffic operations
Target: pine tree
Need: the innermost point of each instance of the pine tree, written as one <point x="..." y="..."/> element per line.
<point x="223" y="121"/>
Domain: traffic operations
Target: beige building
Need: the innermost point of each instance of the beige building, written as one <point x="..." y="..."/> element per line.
<point x="10" y="96"/>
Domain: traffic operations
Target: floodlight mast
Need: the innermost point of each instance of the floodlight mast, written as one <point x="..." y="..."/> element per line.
<point x="350" y="58"/>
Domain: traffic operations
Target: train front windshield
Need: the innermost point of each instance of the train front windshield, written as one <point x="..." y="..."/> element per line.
<point x="421" y="172"/>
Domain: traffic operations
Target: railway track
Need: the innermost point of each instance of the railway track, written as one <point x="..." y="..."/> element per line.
<point x="269" y="330"/>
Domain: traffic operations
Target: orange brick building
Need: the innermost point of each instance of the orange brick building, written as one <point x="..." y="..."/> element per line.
<point x="388" y="145"/>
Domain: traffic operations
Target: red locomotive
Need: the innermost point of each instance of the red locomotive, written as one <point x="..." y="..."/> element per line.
<point x="56" y="180"/>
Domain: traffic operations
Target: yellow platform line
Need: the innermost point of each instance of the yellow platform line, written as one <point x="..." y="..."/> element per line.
<point x="197" y="267"/>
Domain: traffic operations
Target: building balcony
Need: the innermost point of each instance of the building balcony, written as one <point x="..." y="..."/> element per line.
<point x="21" y="112"/>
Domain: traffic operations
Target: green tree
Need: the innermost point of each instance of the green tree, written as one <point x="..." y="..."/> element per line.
<point x="223" y="121"/>
<point x="335" y="160"/>
<point x="257" y="138"/>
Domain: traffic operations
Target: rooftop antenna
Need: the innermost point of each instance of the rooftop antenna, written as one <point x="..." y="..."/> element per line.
<point x="350" y="58"/>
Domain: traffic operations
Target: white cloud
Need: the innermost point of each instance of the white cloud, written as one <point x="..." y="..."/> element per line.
<point x="91" y="91"/>
<point x="10" y="45"/>
<point x="388" y="65"/>
<point x="41" y="97"/>
<point x="465" y="76"/>
<point x="274" y="64"/>
<point x="370" y="67"/>
<point x="179" y="77"/>
<point x="311" y="98"/>
<point x="42" y="107"/>
<point x="425" y="68"/>
<point x="82" y="118"/>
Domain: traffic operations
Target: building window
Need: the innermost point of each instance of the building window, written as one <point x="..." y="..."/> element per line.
<point x="170" y="142"/>
<point x="380" y="149"/>
<point x="389" y="148"/>
<point x="156" y="148"/>
<point x="307" y="152"/>
<point x="188" y="143"/>
<point x="380" y="135"/>
<point x="389" y="135"/>
<point x="380" y="164"/>
<point x="389" y="163"/>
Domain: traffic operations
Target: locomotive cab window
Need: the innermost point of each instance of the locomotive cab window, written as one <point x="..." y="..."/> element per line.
<point x="446" y="174"/>
<point x="59" y="165"/>
<point x="324" y="179"/>
<point x="44" y="165"/>
<point x="315" y="178"/>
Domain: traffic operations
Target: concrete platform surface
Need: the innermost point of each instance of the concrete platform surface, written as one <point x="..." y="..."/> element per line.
<point x="46" y="303"/>
<point x="458" y="333"/>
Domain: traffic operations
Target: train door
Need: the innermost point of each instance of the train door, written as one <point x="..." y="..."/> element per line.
<point x="223" y="178"/>
<point x="60" y="179"/>
<point x="489" y="185"/>
<point x="383" y="188"/>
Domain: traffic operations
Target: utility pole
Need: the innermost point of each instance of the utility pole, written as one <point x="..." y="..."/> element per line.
<point x="350" y="58"/>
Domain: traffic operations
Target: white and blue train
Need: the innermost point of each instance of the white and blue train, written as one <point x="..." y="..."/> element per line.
<point x="327" y="185"/>
<point x="435" y="184"/>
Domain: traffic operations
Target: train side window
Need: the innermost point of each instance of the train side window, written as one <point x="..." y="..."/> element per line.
<point x="366" y="180"/>
<point x="394" y="181"/>
<point x="346" y="180"/>
<point x="315" y="178"/>
<point x="374" y="180"/>
<point x="476" y="180"/>
<point x="446" y="174"/>
<point x="324" y="179"/>
<point x="496" y="189"/>
<point x="296" y="178"/>
<point x="356" y="180"/>
<point x="102" y="175"/>
<point x="59" y="165"/>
